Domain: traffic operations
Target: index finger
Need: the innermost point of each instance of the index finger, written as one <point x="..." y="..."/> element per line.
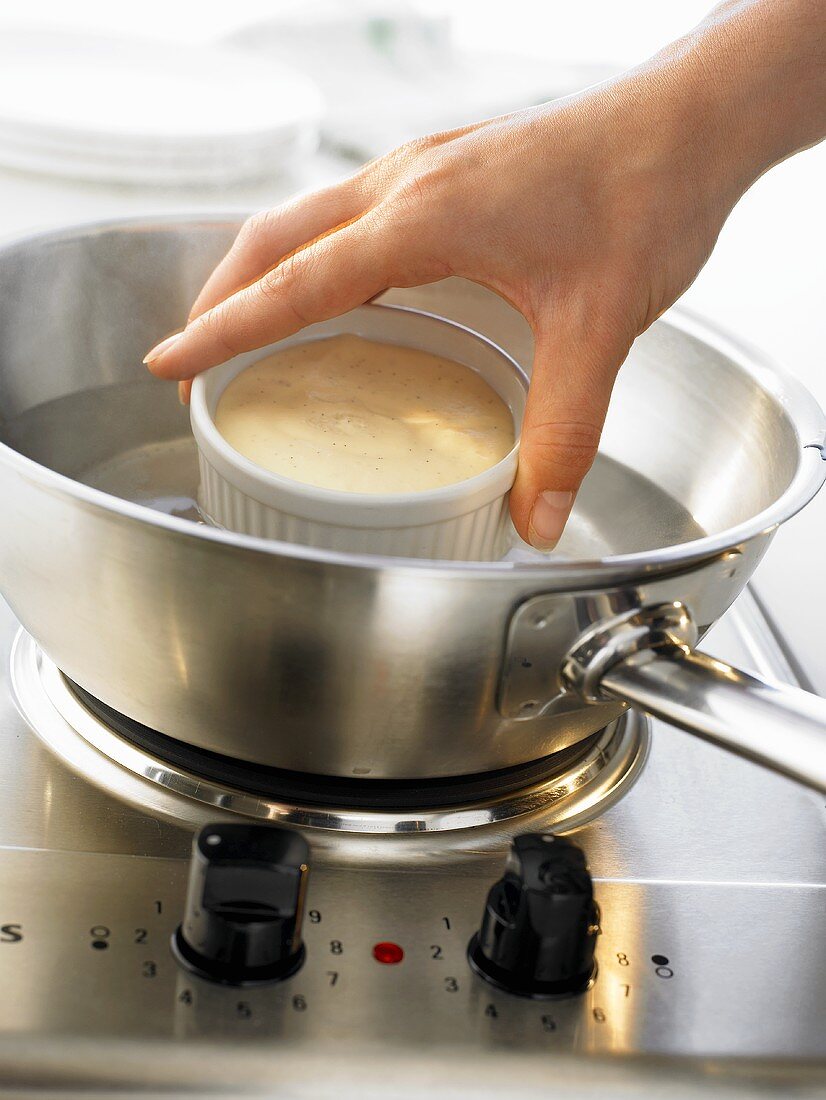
<point x="325" y="279"/>
<point x="266" y="238"/>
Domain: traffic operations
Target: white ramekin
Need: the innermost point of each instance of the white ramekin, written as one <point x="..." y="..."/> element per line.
<point x="464" y="521"/>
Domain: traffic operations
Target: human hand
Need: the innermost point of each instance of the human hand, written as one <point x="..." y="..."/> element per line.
<point x="590" y="215"/>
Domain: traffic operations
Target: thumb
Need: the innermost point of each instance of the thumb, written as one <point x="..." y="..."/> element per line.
<point x="568" y="400"/>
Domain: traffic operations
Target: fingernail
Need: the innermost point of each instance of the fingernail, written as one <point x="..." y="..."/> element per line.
<point x="548" y="518"/>
<point x="183" y="393"/>
<point x="159" y="349"/>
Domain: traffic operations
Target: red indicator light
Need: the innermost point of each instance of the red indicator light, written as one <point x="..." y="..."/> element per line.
<point x="388" y="953"/>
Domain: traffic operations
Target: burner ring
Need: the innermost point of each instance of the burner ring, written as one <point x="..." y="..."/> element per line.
<point x="346" y="793"/>
<point x="151" y="770"/>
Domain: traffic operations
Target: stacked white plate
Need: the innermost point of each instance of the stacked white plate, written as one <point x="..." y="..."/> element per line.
<point x="148" y="112"/>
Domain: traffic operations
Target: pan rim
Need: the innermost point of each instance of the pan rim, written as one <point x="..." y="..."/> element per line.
<point x="807" y="418"/>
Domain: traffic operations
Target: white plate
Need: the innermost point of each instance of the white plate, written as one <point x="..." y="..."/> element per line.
<point x="127" y="106"/>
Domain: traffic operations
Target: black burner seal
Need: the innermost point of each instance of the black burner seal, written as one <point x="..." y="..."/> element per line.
<point x="326" y="792"/>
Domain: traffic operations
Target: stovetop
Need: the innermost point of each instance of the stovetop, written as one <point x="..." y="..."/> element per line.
<point x="709" y="873"/>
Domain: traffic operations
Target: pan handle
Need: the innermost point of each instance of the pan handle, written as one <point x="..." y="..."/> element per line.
<point x="644" y="659"/>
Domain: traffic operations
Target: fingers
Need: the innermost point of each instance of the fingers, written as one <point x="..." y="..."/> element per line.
<point x="567" y="403"/>
<point x="325" y="279"/>
<point x="266" y="238"/>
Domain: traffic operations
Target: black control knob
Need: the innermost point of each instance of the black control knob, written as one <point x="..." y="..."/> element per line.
<point x="540" y="925"/>
<point x="244" y="904"/>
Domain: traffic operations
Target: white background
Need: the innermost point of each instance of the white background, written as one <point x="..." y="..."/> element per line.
<point x="600" y="30"/>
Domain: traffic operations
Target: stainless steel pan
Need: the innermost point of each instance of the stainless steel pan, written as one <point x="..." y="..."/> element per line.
<point x="339" y="665"/>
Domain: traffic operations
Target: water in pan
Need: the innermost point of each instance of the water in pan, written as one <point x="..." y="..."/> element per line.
<point x="134" y="442"/>
<point x="164" y="476"/>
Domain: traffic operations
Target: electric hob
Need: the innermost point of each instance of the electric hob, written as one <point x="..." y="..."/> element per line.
<point x="709" y="882"/>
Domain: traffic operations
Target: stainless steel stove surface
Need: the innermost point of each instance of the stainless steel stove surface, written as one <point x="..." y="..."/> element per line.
<point x="710" y="875"/>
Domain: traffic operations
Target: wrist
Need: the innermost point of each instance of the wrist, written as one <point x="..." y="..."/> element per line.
<point x="749" y="85"/>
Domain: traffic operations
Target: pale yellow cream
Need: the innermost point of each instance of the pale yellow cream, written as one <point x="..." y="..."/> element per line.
<point x="351" y="414"/>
